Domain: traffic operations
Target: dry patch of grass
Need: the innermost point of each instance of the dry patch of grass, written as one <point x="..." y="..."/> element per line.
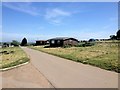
<point x="103" y="55"/>
<point x="12" y="56"/>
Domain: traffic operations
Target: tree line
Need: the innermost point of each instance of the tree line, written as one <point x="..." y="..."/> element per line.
<point x="16" y="43"/>
<point x="115" y="37"/>
<point x="25" y="43"/>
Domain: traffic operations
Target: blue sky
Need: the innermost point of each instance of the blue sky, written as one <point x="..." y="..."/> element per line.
<point x="42" y="20"/>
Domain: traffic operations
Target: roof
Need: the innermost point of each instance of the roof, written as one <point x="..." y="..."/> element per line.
<point x="41" y="40"/>
<point x="62" y="38"/>
<point x="59" y="38"/>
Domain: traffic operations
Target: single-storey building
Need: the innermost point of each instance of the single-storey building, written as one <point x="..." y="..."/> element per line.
<point x="5" y="44"/>
<point x="41" y="42"/>
<point x="62" y="41"/>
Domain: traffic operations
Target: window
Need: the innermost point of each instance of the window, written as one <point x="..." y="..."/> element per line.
<point x="70" y="40"/>
<point x="52" y="41"/>
<point x="58" y="41"/>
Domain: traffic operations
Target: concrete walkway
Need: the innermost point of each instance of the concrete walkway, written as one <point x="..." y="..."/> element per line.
<point x="24" y="77"/>
<point x="64" y="73"/>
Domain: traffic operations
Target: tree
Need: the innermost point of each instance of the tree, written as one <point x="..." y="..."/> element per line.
<point x="118" y="34"/>
<point x="15" y="43"/>
<point x="5" y="44"/>
<point x="113" y="37"/>
<point x="24" y="42"/>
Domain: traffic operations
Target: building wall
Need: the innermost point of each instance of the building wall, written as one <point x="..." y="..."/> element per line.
<point x="63" y="42"/>
<point x="41" y="42"/>
<point x="56" y="43"/>
<point x="70" y="42"/>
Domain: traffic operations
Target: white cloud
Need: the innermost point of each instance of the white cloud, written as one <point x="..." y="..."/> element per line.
<point x="56" y="15"/>
<point x="25" y="7"/>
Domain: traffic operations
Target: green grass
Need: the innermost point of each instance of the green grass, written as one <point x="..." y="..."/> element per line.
<point x="103" y="55"/>
<point x="18" y="56"/>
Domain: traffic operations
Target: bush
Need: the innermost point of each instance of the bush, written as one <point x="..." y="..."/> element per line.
<point x="66" y="46"/>
<point x="15" y="43"/>
<point x="89" y="43"/>
<point x="81" y="44"/>
<point x="5" y="45"/>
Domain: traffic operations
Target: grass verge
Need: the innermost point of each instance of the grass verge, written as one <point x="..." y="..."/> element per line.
<point x="12" y="56"/>
<point x="103" y="55"/>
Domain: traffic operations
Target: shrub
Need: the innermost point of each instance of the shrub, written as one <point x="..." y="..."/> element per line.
<point x="15" y="43"/>
<point x="89" y="43"/>
<point x="85" y="44"/>
<point x="81" y="44"/>
<point x="66" y="46"/>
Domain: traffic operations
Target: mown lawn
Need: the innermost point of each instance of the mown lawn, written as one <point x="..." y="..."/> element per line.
<point x="103" y="55"/>
<point x="12" y="56"/>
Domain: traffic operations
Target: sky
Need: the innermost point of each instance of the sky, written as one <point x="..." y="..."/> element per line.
<point x="45" y="20"/>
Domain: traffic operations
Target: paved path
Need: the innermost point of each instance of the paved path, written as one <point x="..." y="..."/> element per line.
<point x="64" y="73"/>
<point x="24" y="77"/>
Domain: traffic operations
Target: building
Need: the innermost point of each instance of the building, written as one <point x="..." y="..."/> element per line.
<point x="41" y="42"/>
<point x="5" y="44"/>
<point x="62" y="41"/>
<point x="91" y="40"/>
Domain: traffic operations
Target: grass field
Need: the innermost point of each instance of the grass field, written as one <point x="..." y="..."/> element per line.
<point x="103" y="55"/>
<point x="12" y="56"/>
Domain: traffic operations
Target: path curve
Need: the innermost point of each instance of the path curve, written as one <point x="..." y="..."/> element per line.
<point x="24" y="77"/>
<point x="64" y="73"/>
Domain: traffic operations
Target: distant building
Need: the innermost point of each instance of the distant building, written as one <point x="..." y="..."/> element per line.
<point x="92" y="40"/>
<point x="41" y="42"/>
<point x="62" y="41"/>
<point x="104" y="39"/>
<point x="5" y="44"/>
